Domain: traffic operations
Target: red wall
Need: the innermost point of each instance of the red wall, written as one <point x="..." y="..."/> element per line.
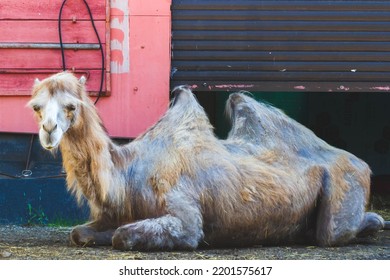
<point x="139" y="54"/>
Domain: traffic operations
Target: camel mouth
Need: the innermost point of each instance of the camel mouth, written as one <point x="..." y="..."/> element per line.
<point x="49" y="142"/>
<point x="49" y="147"/>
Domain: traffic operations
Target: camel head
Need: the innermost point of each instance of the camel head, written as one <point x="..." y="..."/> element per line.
<point x="56" y="102"/>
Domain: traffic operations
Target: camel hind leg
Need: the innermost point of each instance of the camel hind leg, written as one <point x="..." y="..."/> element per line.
<point x="341" y="215"/>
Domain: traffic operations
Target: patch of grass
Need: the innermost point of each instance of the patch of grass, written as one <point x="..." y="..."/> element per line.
<point x="36" y="216"/>
<point x="384" y="213"/>
<point x="381" y="205"/>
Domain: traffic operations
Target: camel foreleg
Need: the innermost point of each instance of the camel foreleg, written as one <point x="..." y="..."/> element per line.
<point x="181" y="228"/>
<point x="163" y="233"/>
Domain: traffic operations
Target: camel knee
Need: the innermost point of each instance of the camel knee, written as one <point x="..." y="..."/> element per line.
<point x="119" y="241"/>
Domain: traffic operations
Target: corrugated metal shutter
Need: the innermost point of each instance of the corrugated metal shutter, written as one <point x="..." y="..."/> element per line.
<point x="29" y="43"/>
<point x="281" y="45"/>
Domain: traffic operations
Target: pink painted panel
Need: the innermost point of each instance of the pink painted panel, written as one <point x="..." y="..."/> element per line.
<point x="49" y="9"/>
<point x="49" y="59"/>
<point x="17" y="31"/>
<point x="20" y="83"/>
<point x="14" y="116"/>
<point x="20" y="65"/>
<point x="140" y="67"/>
<point x="140" y="95"/>
<point x="150" y="7"/>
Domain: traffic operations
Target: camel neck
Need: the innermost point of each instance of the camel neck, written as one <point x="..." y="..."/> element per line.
<point x="87" y="159"/>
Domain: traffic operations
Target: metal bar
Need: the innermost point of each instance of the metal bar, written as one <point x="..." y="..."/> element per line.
<point x="48" y="46"/>
<point x="27" y="172"/>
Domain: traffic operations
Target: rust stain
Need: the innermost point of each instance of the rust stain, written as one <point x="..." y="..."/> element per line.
<point x="234" y="86"/>
<point x="387" y="88"/>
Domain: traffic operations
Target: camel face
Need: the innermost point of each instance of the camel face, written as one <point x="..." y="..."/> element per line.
<point x="56" y="108"/>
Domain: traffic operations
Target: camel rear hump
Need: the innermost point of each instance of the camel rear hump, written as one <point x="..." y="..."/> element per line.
<point x="261" y="123"/>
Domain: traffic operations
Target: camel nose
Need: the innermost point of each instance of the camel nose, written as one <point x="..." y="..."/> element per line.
<point x="49" y="128"/>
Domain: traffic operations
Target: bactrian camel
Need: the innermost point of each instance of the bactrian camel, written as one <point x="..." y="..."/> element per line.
<point x="177" y="186"/>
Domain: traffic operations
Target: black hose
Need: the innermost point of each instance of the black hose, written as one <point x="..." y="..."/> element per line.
<point x="98" y="38"/>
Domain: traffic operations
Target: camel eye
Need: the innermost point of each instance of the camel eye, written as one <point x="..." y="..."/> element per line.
<point x="36" y="108"/>
<point x="70" y="107"/>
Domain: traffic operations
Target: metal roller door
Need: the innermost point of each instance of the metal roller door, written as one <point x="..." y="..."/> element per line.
<point x="224" y="45"/>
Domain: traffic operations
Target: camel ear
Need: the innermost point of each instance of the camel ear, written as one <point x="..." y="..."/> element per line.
<point x="36" y="81"/>
<point x="82" y="80"/>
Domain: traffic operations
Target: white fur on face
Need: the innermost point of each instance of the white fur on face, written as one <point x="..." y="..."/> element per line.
<point x="51" y="126"/>
<point x="53" y="122"/>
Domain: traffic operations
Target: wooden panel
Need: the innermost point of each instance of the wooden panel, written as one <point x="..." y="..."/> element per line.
<point x="49" y="59"/>
<point x="20" y="83"/>
<point x="29" y="42"/>
<point x="47" y="31"/>
<point x="49" y="9"/>
<point x="227" y="45"/>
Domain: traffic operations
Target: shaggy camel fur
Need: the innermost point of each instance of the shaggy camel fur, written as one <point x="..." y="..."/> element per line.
<point x="178" y="187"/>
<point x="344" y="179"/>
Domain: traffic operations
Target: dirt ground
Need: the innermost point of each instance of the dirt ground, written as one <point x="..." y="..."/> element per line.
<point x="52" y="243"/>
